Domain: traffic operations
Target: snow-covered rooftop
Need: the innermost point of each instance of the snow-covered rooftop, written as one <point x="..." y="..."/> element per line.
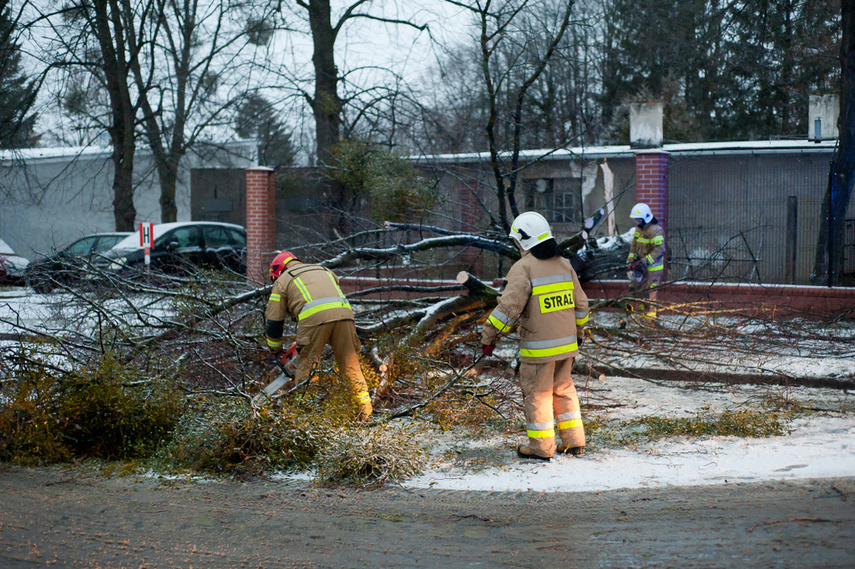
<point x="688" y="148"/>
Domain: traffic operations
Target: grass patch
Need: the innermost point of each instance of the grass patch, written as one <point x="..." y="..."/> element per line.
<point x="758" y="422"/>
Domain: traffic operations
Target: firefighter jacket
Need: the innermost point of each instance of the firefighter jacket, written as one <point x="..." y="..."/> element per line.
<point x="648" y="246"/>
<point x="545" y="299"/>
<point x="308" y="294"/>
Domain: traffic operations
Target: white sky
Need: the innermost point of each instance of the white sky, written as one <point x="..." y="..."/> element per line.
<point x="368" y="53"/>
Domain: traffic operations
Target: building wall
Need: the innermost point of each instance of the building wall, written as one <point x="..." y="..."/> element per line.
<point x="728" y="215"/>
<point x="53" y="196"/>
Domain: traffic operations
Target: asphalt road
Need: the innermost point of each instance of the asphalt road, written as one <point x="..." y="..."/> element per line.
<point x="73" y="518"/>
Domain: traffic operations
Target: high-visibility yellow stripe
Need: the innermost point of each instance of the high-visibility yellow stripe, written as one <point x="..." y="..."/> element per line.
<point x="498" y="324"/>
<point x="546" y="352"/>
<point x="658" y="267"/>
<point x="363" y="397"/>
<point x="543" y="236"/>
<point x="582" y="321"/>
<point x="303" y="290"/>
<point x="275" y="297"/>
<point x="335" y="284"/>
<point x="554" y="287"/>
<point x="274" y="343"/>
<point x="571" y="424"/>
<point x="659" y="240"/>
<point x="540" y="434"/>
<point x="305" y="313"/>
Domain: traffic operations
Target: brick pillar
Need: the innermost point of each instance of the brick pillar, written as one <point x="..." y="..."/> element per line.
<point x="260" y="222"/>
<point x="651" y="183"/>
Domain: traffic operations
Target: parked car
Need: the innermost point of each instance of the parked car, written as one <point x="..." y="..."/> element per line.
<point x="67" y="266"/>
<point x="12" y="265"/>
<point x="180" y="248"/>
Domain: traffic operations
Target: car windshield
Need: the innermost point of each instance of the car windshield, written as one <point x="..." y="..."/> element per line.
<point x="81" y="247"/>
<point x="107" y="242"/>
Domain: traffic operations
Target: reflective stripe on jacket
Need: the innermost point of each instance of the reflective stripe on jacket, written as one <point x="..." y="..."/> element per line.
<point x="648" y="245"/>
<point x="545" y="299"/>
<point x="309" y="294"/>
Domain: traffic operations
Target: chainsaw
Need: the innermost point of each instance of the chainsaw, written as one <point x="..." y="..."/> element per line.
<point x="287" y="362"/>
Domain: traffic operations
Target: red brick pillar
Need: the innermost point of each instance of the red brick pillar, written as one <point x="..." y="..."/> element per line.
<point x="260" y="222"/>
<point x="651" y="183"/>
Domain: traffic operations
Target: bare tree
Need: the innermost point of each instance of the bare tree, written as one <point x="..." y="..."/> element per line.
<point x="326" y="104"/>
<point x="192" y="48"/>
<point x="94" y="37"/>
<point x="512" y="60"/>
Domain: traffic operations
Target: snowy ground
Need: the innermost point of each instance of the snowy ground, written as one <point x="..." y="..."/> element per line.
<point x="820" y="444"/>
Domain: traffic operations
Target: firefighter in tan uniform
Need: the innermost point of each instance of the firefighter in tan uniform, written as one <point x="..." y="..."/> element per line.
<point x="544" y="298"/>
<point x="310" y="295"/>
<point x="646" y="257"/>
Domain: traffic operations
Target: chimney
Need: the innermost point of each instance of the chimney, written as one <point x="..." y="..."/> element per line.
<point x="823" y="111"/>
<point x="645" y="125"/>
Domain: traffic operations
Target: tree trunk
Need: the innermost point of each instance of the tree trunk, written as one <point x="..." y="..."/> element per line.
<point x="326" y="106"/>
<point x="829" y="254"/>
<point x="168" y="176"/>
<point x="122" y="112"/>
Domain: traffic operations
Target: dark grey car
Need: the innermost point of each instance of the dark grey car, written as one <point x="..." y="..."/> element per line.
<point x="68" y="265"/>
<point x="180" y="248"/>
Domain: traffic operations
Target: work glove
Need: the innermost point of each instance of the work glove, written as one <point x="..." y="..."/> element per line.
<point x="487" y="349"/>
<point x="636" y="266"/>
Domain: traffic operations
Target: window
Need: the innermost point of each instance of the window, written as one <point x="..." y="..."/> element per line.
<point x="216" y="237"/>
<point x="238" y="238"/>
<point x="81" y="248"/>
<point x="184" y="236"/>
<point x="556" y="198"/>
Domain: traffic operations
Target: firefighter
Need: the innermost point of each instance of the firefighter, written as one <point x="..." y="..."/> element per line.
<point x="544" y="299"/>
<point x="646" y="260"/>
<point x="311" y="296"/>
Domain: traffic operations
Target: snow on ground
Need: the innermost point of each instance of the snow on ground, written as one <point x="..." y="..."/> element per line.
<point x="820" y="445"/>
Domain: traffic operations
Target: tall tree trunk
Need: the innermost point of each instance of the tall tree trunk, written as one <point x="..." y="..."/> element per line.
<point x="122" y="112"/>
<point x="842" y="175"/>
<point x="326" y="105"/>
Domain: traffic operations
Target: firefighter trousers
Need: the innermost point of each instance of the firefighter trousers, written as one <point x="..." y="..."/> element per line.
<point x="550" y="400"/>
<point x="341" y="336"/>
<point x="647" y="290"/>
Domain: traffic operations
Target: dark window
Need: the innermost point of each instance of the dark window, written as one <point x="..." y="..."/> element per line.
<point x="557" y="199"/>
<point x="81" y="248"/>
<point x="216" y="237"/>
<point x="107" y="242"/>
<point x="183" y="236"/>
<point x="238" y="238"/>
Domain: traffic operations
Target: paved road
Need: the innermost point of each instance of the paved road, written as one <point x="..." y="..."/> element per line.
<point x="70" y="518"/>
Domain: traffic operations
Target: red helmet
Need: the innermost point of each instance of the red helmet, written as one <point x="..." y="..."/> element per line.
<point x="279" y="262"/>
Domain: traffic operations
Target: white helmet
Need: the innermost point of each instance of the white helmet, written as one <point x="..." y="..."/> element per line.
<point x="529" y="229"/>
<point x="641" y="211"/>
